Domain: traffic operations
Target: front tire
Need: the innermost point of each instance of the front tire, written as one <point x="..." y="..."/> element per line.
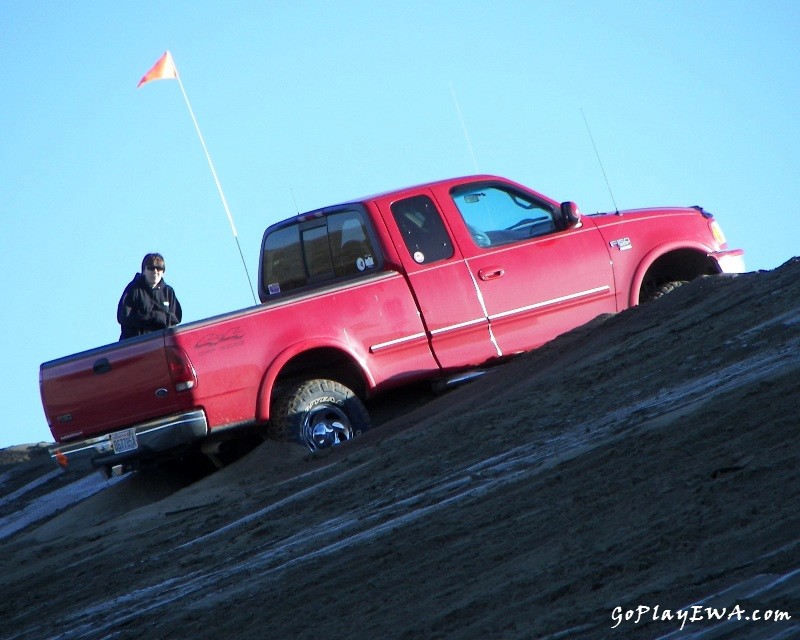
<point x="318" y="414"/>
<point x="659" y="291"/>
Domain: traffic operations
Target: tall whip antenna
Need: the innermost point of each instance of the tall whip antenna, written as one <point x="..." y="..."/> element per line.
<point x="600" y="162"/>
<point x="165" y="69"/>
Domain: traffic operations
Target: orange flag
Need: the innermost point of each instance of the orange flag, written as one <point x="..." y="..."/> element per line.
<point x="163" y="69"/>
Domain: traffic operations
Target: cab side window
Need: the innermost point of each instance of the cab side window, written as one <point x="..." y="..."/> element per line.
<point x="423" y="231"/>
<point x="498" y="215"/>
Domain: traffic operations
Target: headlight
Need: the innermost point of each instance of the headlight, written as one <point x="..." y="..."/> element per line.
<point x="716" y="231"/>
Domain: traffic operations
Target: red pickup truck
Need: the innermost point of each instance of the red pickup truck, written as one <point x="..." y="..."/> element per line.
<point x="417" y="284"/>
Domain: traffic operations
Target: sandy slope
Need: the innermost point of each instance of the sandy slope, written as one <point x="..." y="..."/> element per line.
<point x="649" y="459"/>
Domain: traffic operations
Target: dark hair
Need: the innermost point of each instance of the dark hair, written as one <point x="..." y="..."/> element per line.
<point x="153" y="260"/>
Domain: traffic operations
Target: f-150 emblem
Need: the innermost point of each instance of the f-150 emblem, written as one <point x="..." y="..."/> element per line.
<point x="623" y="244"/>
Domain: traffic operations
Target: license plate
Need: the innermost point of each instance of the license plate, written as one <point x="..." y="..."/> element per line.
<point x="123" y="441"/>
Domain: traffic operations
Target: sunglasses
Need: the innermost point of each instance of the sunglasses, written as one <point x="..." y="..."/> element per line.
<point x="153" y="268"/>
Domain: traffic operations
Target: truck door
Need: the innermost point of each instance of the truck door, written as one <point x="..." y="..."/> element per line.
<point x="446" y="293"/>
<point x="537" y="279"/>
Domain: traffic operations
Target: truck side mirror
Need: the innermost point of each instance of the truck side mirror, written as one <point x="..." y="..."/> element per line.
<point x="571" y="215"/>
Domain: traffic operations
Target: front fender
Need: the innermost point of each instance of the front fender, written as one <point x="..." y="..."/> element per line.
<point x="658" y="252"/>
<point x="276" y="366"/>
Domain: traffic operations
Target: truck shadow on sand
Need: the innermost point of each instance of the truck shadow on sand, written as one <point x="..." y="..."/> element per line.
<point x="34" y="492"/>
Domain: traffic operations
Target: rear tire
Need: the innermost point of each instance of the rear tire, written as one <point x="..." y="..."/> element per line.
<point x="318" y="414"/>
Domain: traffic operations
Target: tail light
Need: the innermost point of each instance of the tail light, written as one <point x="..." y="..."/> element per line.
<point x="181" y="370"/>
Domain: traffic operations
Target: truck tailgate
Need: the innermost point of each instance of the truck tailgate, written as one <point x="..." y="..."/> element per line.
<point x="104" y="389"/>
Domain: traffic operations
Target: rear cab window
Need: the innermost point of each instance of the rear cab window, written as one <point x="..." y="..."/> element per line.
<point x="316" y="249"/>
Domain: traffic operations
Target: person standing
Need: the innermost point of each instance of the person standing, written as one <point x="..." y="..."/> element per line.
<point x="148" y="302"/>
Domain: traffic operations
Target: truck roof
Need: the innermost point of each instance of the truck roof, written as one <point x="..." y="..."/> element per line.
<point x="446" y="183"/>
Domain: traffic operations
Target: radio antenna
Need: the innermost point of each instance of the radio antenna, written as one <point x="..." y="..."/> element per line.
<point x="600" y="162"/>
<point x="464" y="128"/>
<point x="294" y="200"/>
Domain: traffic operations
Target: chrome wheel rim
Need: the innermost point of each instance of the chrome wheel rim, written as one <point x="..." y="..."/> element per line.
<point x="326" y="426"/>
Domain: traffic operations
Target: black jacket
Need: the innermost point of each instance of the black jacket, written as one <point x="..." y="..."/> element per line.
<point x="143" y="309"/>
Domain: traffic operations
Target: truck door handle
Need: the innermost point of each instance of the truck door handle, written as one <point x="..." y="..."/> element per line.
<point x="101" y="366"/>
<point x="491" y="273"/>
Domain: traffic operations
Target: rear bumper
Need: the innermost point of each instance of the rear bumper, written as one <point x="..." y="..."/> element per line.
<point x="730" y="261"/>
<point x="152" y="438"/>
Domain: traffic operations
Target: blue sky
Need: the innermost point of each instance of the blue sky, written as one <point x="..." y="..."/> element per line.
<point x="306" y="103"/>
